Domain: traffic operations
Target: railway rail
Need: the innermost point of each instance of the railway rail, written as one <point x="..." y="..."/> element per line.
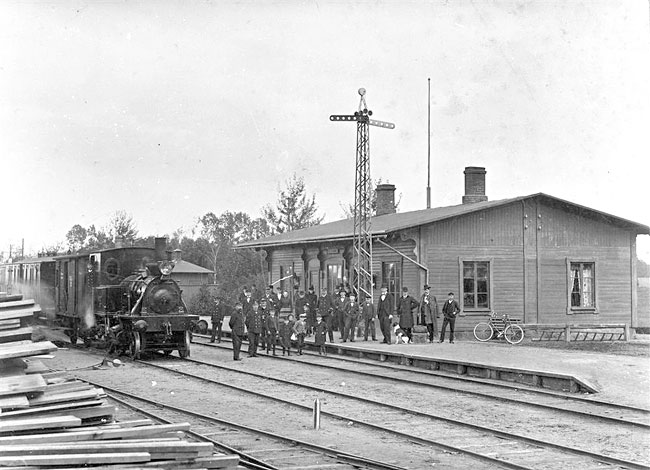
<point x="488" y="444"/>
<point x="233" y="436"/>
<point x="495" y="391"/>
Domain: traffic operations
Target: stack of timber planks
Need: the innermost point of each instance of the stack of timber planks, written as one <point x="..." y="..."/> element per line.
<point x="49" y="420"/>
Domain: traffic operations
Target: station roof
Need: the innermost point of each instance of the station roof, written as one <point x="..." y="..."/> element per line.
<point x="185" y="267"/>
<point x="385" y="224"/>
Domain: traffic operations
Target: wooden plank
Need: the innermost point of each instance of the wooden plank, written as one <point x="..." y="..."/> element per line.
<point x="29" y="424"/>
<point x="46" y="409"/>
<point x="75" y="459"/>
<point x="151" y="446"/>
<point x="49" y="399"/>
<point x="13" y="402"/>
<point x="17" y="334"/>
<point x="20" y="384"/>
<point x="10" y="351"/>
<point x="9" y="324"/>
<point x="83" y="413"/>
<point x="137" y="432"/>
<point x="5" y="298"/>
<point x="10" y="314"/>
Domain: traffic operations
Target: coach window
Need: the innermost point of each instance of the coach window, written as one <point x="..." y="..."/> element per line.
<point x="476" y="286"/>
<point x="391" y="275"/>
<point x="582" y="287"/>
<point x="112" y="269"/>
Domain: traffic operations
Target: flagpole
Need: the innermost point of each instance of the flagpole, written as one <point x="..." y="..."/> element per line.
<point x="429" y="148"/>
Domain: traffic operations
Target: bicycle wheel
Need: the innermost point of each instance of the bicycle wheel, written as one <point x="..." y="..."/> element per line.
<point x="483" y="331"/>
<point x="514" y="334"/>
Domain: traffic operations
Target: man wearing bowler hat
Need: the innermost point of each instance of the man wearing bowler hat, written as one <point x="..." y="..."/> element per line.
<point x="449" y="310"/>
<point x="405" y="306"/>
<point x="385" y="313"/>
<point x="429" y="312"/>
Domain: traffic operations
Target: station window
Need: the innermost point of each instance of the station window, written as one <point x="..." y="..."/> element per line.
<point x="582" y="286"/>
<point x="391" y="275"/>
<point x="334" y="276"/>
<point x="476" y="285"/>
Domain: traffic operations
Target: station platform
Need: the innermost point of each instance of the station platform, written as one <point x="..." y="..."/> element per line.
<point x="606" y="376"/>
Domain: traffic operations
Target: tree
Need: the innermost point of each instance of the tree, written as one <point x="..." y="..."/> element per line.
<point x="97" y="239"/>
<point x="294" y="209"/>
<point x="122" y="226"/>
<point x="76" y="238"/>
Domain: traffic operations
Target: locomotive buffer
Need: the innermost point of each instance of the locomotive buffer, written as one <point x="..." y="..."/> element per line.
<point x="362" y="196"/>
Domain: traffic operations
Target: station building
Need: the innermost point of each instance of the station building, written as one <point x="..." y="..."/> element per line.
<point x="537" y="257"/>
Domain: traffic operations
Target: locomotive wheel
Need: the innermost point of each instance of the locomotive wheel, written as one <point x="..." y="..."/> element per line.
<point x="136" y="345"/>
<point x="184" y="349"/>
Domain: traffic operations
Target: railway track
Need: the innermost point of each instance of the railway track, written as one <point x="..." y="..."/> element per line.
<point x="495" y="391"/>
<point x="488" y="444"/>
<point x="287" y="453"/>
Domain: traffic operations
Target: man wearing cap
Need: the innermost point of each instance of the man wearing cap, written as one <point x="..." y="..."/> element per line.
<point x="450" y="310"/>
<point x="216" y="318"/>
<point x="405" y="306"/>
<point x="264" y="313"/>
<point x="429" y="312"/>
<point x="254" y="325"/>
<point x="237" y="330"/>
<point x="299" y="329"/>
<point x="325" y="308"/>
<point x="385" y="313"/>
<point x="312" y="299"/>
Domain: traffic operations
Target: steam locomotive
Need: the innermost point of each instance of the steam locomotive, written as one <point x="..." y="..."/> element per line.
<point x="122" y="298"/>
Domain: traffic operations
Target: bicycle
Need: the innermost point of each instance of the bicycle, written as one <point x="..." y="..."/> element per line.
<point x="499" y="327"/>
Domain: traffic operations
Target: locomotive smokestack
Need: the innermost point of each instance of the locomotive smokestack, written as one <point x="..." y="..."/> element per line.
<point x="160" y="246"/>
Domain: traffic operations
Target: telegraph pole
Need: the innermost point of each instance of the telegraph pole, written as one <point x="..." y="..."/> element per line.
<point x="362" y="196"/>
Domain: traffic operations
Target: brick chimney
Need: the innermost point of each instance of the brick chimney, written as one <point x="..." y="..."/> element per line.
<point x="385" y="199"/>
<point x="474" y="185"/>
<point x="177" y="255"/>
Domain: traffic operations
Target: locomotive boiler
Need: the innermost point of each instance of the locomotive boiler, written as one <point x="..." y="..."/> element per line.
<point x="155" y="316"/>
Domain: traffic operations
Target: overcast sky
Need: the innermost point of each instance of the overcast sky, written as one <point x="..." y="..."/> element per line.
<point x="168" y="110"/>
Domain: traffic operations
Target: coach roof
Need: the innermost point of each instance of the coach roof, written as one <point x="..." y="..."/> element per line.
<point x="385" y="224"/>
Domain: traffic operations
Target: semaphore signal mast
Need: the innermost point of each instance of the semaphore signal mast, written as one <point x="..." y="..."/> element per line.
<point x="362" y="195"/>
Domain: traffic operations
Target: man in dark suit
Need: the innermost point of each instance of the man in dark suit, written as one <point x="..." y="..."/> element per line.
<point x="429" y="312"/>
<point x="405" y="306"/>
<point x="237" y="330"/>
<point x="450" y="310"/>
<point x="385" y="313"/>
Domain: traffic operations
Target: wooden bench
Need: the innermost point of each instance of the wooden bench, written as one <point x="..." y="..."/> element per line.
<point x="580" y="332"/>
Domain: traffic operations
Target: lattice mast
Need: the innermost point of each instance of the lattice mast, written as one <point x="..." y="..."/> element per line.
<point x="362" y="282"/>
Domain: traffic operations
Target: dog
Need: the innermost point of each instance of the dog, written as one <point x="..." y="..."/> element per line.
<point x="400" y="334"/>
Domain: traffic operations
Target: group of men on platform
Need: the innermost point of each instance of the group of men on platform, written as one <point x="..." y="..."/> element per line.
<point x="266" y="316"/>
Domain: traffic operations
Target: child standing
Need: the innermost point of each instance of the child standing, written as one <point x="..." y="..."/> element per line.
<point x="320" y="331"/>
<point x="284" y="335"/>
<point x="271" y="331"/>
<point x="300" y="329"/>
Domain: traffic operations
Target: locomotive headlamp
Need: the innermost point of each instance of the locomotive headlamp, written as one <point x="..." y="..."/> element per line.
<point x="166" y="268"/>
